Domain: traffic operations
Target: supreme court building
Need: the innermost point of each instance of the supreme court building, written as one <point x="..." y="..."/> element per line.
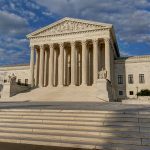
<point x="72" y="52"/>
<point x="75" y="52"/>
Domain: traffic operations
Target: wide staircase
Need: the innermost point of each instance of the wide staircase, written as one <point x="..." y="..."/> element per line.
<point x="68" y="93"/>
<point x="107" y="130"/>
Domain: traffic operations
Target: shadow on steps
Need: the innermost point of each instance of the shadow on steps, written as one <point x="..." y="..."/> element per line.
<point x="14" y="146"/>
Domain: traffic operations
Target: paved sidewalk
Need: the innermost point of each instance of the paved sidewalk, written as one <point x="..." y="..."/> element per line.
<point x="112" y="106"/>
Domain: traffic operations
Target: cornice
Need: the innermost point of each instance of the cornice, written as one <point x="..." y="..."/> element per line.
<point x="133" y="59"/>
<point x="8" y="68"/>
<point x="69" y="33"/>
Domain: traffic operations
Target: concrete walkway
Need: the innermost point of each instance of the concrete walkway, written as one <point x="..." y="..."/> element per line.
<point x="111" y="106"/>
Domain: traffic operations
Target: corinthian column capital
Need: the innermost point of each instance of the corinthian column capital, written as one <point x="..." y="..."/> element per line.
<point x="41" y="46"/>
<point x="95" y="41"/>
<point x="51" y="45"/>
<point x="73" y="43"/>
<point x="107" y="40"/>
<point x="61" y="44"/>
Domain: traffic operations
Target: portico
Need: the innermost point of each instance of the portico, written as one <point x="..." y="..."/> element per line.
<point x="68" y="63"/>
<point x="71" y="52"/>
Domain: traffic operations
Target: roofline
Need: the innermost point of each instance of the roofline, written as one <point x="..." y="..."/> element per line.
<point x="64" y="19"/>
<point x="116" y="44"/>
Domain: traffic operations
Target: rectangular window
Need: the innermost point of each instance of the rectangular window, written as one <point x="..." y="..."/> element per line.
<point x="120" y="92"/>
<point x="141" y="78"/>
<point x="131" y="93"/>
<point x="120" y="79"/>
<point x="130" y="78"/>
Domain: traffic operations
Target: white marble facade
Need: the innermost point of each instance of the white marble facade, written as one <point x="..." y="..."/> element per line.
<point x="72" y="52"/>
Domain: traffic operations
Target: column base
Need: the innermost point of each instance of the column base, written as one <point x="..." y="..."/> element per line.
<point x="83" y="84"/>
<point x="94" y="85"/>
<point x="72" y="85"/>
<point x="59" y="86"/>
<point x="41" y="86"/>
<point x="50" y="86"/>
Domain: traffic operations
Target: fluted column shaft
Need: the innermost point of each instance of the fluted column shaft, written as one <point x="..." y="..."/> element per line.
<point x="95" y="60"/>
<point x="32" y="66"/>
<point x="73" y="62"/>
<point x="41" y="76"/>
<point x="45" y="67"/>
<point x="51" y="65"/>
<point x="61" y="65"/>
<point x="107" y="57"/>
<point x="84" y="63"/>
<point x="37" y="68"/>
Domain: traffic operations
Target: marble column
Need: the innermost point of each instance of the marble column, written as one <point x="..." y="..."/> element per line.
<point x="73" y="63"/>
<point x="61" y="65"/>
<point x="55" y="68"/>
<point x="84" y="63"/>
<point x="45" y="67"/>
<point x="95" y="60"/>
<point x="32" y="66"/>
<point x="41" y="75"/>
<point x="51" y="65"/>
<point x="37" y="68"/>
<point x="107" y="57"/>
<point x="65" y="72"/>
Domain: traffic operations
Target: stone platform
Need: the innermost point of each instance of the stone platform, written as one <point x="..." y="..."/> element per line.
<point x="68" y="93"/>
<point x="85" y="125"/>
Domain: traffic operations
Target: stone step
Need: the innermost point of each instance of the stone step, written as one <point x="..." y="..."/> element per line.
<point x="104" y="146"/>
<point x="90" y="140"/>
<point x="76" y="133"/>
<point x="73" y="118"/>
<point x="114" y="130"/>
<point x="70" y="111"/>
<point x="76" y="122"/>
<point x="72" y="127"/>
<point x="71" y="114"/>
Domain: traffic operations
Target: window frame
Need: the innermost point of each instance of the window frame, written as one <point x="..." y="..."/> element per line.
<point x="130" y="79"/>
<point x="141" y="79"/>
<point x="131" y="92"/>
<point x="120" y="79"/>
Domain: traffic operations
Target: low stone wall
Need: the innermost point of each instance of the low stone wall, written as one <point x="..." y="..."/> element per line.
<point x="144" y="98"/>
<point x="11" y="89"/>
<point x="141" y="101"/>
<point x="15" y="89"/>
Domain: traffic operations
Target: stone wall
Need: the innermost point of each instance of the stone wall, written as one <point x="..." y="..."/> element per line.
<point x="21" y="72"/>
<point x="132" y="65"/>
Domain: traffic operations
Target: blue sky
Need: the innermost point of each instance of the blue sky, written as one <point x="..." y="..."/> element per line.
<point x="131" y="19"/>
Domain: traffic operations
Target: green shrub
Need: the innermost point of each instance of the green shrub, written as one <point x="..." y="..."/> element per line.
<point x="144" y="92"/>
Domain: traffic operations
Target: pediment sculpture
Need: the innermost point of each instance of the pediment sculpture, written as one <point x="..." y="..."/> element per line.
<point x="68" y="26"/>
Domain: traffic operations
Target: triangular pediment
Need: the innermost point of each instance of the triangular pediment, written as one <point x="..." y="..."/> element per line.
<point x="68" y="25"/>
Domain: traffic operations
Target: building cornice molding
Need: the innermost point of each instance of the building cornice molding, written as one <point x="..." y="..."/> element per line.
<point x="8" y="68"/>
<point x="134" y="59"/>
<point x="69" y="33"/>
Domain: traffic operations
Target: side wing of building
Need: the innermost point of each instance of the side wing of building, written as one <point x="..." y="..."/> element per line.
<point x="131" y="75"/>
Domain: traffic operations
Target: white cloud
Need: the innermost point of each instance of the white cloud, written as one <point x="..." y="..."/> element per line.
<point x="12" y="24"/>
<point x="130" y="17"/>
<point x="11" y="42"/>
<point x="15" y="57"/>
